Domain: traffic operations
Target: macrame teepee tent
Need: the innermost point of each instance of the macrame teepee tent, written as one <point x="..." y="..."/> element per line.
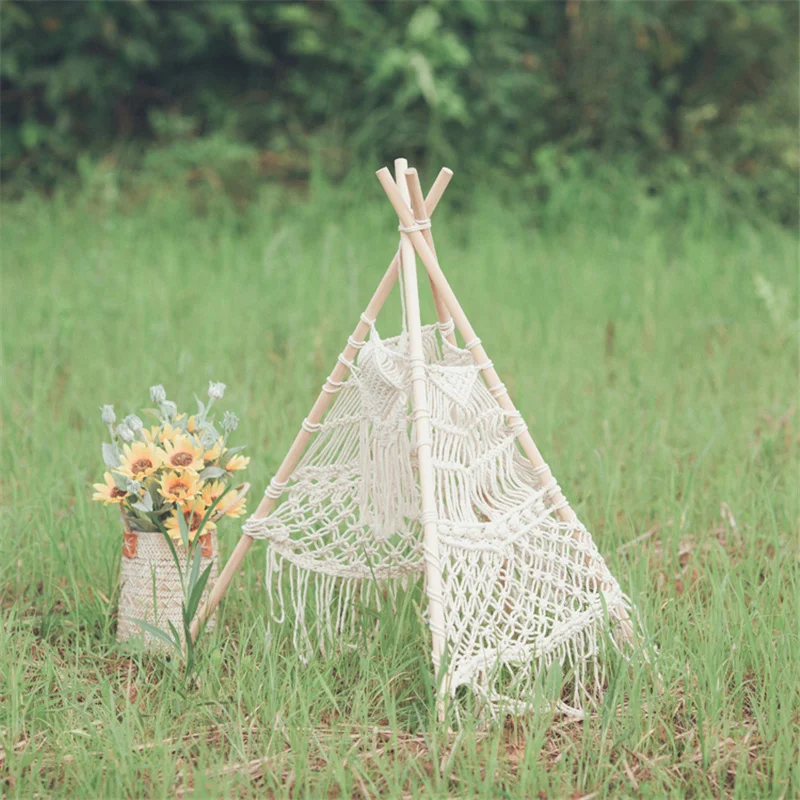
<point x="421" y="466"/>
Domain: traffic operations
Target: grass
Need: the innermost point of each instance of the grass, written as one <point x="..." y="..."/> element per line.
<point x="657" y="371"/>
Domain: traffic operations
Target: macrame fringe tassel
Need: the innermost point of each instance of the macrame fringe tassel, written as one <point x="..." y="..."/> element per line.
<point x="337" y="603"/>
<point x="584" y="654"/>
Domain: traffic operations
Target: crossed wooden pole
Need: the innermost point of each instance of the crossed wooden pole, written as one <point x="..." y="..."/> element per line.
<point x="413" y="211"/>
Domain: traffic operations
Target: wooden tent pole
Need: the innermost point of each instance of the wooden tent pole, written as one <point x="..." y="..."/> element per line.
<point x="315" y="415"/>
<point x="420" y="211"/>
<point x="423" y="442"/>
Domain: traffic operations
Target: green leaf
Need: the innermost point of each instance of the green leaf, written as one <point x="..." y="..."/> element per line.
<point x="141" y="521"/>
<point x="424" y="24"/>
<point x="174" y="630"/>
<point x="197" y="593"/>
<point x="156" y="497"/>
<point x="183" y="527"/>
<point x="195" y="572"/>
<point x="158" y="633"/>
<point x="189" y="664"/>
<point x="31" y="134"/>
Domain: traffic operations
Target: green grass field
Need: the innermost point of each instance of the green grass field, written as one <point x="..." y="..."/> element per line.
<point x="655" y="358"/>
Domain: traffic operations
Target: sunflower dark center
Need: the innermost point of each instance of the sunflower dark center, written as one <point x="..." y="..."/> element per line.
<point x="117" y="492"/>
<point x="181" y="459"/>
<point x="141" y="464"/>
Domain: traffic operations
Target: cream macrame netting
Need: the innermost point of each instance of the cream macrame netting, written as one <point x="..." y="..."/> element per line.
<point x="521" y="589"/>
<point x="414" y="462"/>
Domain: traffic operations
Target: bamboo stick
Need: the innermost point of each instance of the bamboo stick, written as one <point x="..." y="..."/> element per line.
<point x="422" y="431"/>
<point x="437" y="189"/>
<point x="315" y="415"/>
<point x="419" y="209"/>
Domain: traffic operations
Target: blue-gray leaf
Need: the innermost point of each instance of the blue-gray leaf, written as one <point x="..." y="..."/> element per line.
<point x="110" y="455"/>
<point x="120" y="481"/>
<point x="211" y="472"/>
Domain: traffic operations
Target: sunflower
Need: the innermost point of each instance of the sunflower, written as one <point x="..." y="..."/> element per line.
<point x="150" y="434"/>
<point x="212" y="490"/>
<point x="161" y="433"/>
<point x="214" y="452"/>
<point x="184" y="453"/>
<point x="237" y="462"/>
<point x="236" y="509"/>
<point x="178" y="487"/>
<point x="141" y="459"/>
<point x="108" y="492"/>
<point x="193" y="516"/>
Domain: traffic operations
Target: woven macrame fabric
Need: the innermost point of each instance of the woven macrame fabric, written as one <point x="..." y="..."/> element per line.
<point x="522" y="590"/>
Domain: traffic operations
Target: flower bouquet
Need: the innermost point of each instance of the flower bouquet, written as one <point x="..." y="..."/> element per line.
<point x="173" y="481"/>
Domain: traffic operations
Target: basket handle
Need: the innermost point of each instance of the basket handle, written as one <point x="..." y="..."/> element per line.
<point x="241" y="492"/>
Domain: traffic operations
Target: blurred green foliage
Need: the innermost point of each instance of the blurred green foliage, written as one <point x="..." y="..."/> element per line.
<point x="672" y="90"/>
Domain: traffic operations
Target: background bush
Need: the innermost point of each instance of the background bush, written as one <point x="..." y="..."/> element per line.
<point x="237" y="91"/>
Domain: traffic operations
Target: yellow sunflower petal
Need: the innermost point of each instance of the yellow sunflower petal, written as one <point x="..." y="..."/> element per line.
<point x="237" y="462"/>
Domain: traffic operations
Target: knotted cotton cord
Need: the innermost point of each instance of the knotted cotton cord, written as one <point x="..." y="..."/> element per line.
<point x="419" y="225"/>
<point x="446" y="328"/>
<point x="515" y="422"/>
<point x="331" y="386"/>
<point x="356" y="345"/>
<point x="275" y="488"/>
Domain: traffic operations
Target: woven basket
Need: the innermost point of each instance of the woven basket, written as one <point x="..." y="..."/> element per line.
<point x="151" y="588"/>
<point x="150" y="585"/>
